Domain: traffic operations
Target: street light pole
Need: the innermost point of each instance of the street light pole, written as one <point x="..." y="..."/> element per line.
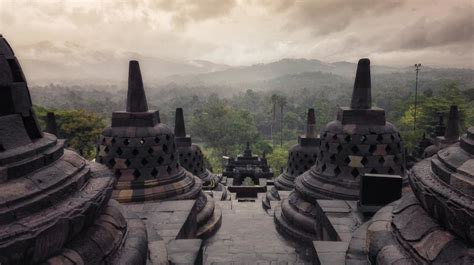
<point x="417" y="68"/>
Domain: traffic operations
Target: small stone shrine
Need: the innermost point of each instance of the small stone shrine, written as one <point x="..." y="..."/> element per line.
<point x="55" y="206"/>
<point x="247" y="165"/>
<point x="301" y="156"/>
<point x="360" y="141"/>
<point x="143" y="155"/>
<point x="191" y="156"/>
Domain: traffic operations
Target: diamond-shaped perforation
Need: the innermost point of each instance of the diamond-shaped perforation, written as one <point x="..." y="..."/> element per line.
<point x="126" y="142"/>
<point x="355" y="172"/>
<point x="112" y="162"/>
<point x="159" y="160"/>
<point x="154" y="173"/>
<point x="323" y="168"/>
<point x="381" y="160"/>
<point x="363" y="138"/>
<point x="113" y="140"/>
<point x="168" y="169"/>
<point x="332" y="158"/>
<point x="119" y="151"/>
<point x="136" y="173"/>
<point x="168" y="137"/>
<point x="347" y="138"/>
<point x="144" y="162"/>
<point x="165" y="148"/>
<point x="106" y="149"/>
<point x="135" y="152"/>
<point x="337" y="171"/>
<point x="150" y="150"/>
<point x="347" y="160"/>
<point x="128" y="163"/>
<point x="372" y="148"/>
<point x="379" y="138"/>
<point x="157" y="140"/>
<point x="339" y="148"/>
<point x="364" y="161"/>
<point x="391" y="171"/>
<point x="355" y="149"/>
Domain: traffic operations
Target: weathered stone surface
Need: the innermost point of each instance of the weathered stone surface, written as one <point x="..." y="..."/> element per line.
<point x="302" y="156"/>
<point x="192" y="158"/>
<point x="359" y="142"/>
<point x="55" y="206"/>
<point x="185" y="251"/>
<point x="144" y="157"/>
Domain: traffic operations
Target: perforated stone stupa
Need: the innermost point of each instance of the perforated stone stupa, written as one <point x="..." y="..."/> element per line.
<point x="55" y="206"/>
<point x="301" y="156"/>
<point x="360" y="141"/>
<point x="435" y="223"/>
<point x="191" y="156"/>
<point x="143" y="155"/>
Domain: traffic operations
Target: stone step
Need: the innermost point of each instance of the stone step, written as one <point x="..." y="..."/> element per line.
<point x="39" y="190"/>
<point x="41" y="159"/>
<point x="23" y="152"/>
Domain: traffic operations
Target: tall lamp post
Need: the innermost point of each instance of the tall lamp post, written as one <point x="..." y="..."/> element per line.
<point x="417" y="69"/>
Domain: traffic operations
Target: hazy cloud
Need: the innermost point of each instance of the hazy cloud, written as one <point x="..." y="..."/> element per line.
<point x="238" y="32"/>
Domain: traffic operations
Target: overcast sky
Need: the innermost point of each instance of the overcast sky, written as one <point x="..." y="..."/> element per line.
<point x="242" y="32"/>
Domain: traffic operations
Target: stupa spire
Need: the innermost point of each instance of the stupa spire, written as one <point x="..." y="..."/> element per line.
<point x="452" y="130"/>
<point x="136" y="98"/>
<point x="179" y="128"/>
<point x="361" y="95"/>
<point x="311" y="124"/>
<point x="51" y="125"/>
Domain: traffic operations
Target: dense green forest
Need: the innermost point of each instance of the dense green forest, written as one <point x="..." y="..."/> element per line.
<point x="270" y="113"/>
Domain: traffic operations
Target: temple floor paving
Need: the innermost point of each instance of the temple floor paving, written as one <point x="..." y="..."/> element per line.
<point x="248" y="236"/>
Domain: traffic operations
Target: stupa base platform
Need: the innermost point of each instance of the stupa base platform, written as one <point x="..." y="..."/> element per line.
<point x="403" y="232"/>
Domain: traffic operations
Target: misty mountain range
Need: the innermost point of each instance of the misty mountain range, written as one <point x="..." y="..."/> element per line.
<point x="285" y="73"/>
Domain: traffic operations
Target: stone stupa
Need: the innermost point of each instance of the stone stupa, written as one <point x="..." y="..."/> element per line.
<point x="450" y="136"/>
<point x="432" y="225"/>
<point x="360" y="141"/>
<point x="191" y="156"/>
<point x="301" y="156"/>
<point x="55" y="206"/>
<point x="143" y="155"/>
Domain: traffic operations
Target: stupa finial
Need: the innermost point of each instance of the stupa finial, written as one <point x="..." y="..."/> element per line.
<point x="452" y="129"/>
<point x="361" y="95"/>
<point x="51" y="125"/>
<point x="136" y="98"/>
<point x="311" y="124"/>
<point x="179" y="128"/>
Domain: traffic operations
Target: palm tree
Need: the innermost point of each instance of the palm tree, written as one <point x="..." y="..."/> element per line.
<point x="282" y="102"/>
<point x="274" y="100"/>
